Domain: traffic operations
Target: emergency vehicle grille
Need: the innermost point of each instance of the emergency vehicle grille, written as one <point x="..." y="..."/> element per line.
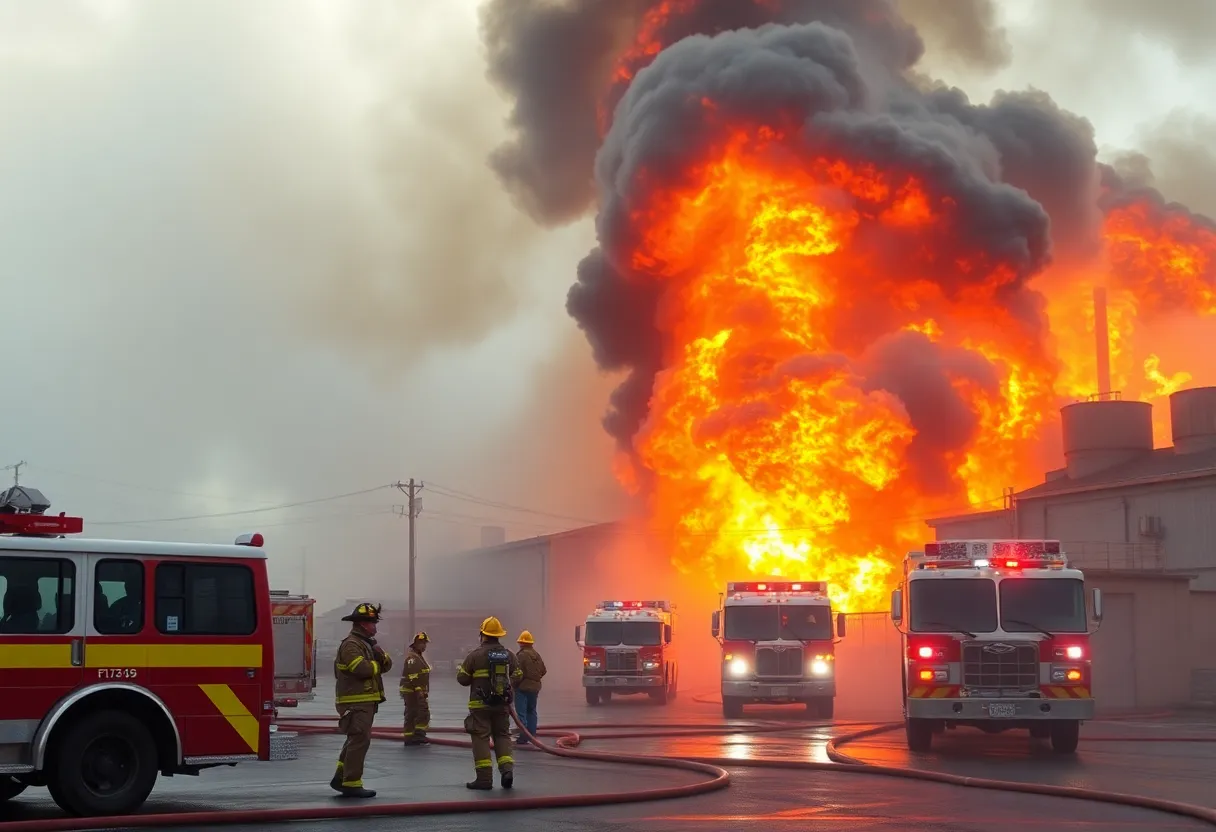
<point x="1000" y="666"/>
<point x="622" y="661"/>
<point x="773" y="662"/>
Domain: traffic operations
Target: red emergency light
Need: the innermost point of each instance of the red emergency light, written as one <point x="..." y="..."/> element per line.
<point x="633" y="605"/>
<point x="778" y="586"/>
<point x="253" y="539"/>
<point x="40" y="525"/>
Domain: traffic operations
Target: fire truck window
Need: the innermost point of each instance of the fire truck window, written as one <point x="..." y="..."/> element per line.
<point x="952" y="605"/>
<point x="36" y="596"/>
<point x="205" y="599"/>
<point x="118" y="598"/>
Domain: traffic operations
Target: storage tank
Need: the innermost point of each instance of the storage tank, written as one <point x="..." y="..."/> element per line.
<point x="1102" y="434"/>
<point x="1193" y="419"/>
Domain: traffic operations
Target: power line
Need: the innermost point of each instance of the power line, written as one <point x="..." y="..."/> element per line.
<point x="243" y="512"/>
<point x="444" y="491"/>
<point x="150" y="489"/>
<point x="295" y="521"/>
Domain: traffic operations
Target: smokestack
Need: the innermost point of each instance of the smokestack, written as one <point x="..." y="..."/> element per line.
<point x="1102" y="340"/>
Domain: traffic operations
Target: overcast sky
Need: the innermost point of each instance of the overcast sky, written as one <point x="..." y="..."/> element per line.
<point x="252" y="255"/>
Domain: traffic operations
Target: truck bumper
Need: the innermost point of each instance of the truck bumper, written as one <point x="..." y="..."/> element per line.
<point x="623" y="683"/>
<point x="775" y="692"/>
<point x="1019" y="710"/>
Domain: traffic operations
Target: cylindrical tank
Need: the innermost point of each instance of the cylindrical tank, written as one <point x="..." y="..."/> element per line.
<point x="1193" y="419"/>
<point x="1102" y="434"/>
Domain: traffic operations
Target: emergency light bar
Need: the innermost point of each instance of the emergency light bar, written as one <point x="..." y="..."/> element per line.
<point x="635" y="605"/>
<point x="39" y="525"/>
<point x="998" y="554"/>
<point x="820" y="587"/>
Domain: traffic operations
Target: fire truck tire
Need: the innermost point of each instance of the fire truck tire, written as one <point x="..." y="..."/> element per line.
<point x="823" y="707"/>
<point x="111" y="739"/>
<point x="919" y="733"/>
<point x="1040" y="732"/>
<point x="10" y="788"/>
<point x="659" y="696"/>
<point x="1064" y="736"/>
<point x="732" y="707"/>
<point x="593" y="696"/>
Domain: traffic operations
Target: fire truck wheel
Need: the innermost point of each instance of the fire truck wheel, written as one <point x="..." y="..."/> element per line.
<point x="105" y="764"/>
<point x="659" y="696"/>
<point x="1040" y="732"/>
<point x="919" y="733"/>
<point x="593" y="696"/>
<point x="1065" y="735"/>
<point x="732" y="707"/>
<point x="823" y="707"/>
<point x="10" y="788"/>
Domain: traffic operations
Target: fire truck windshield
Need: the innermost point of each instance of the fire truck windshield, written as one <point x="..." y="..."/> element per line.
<point x="961" y="605"/>
<point x="608" y="633"/>
<point x="793" y="622"/>
<point x="1054" y="605"/>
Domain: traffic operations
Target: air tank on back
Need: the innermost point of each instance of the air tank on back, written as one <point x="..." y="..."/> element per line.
<point x="1193" y="419"/>
<point x="1102" y="434"/>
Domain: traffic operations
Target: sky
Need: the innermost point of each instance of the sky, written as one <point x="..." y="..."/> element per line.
<point x="254" y="257"/>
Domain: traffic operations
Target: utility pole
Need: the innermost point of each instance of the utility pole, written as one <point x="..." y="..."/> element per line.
<point x="413" y="508"/>
<point x="16" y="469"/>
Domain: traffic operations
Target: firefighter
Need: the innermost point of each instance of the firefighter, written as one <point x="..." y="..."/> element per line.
<point x="359" y="668"/>
<point x="532" y="666"/>
<point x="490" y="672"/>
<point x="415" y="688"/>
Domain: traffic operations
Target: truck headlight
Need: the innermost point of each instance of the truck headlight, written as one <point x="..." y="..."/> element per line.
<point x="650" y="664"/>
<point x="820" y="668"/>
<point x="738" y="667"/>
<point x="593" y="664"/>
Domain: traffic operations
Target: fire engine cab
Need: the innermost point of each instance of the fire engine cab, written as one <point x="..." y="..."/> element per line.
<point x="121" y="660"/>
<point x="627" y="649"/>
<point x="995" y="636"/>
<point x="777" y="645"/>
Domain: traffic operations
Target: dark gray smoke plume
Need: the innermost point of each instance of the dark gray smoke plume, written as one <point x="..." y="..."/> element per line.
<point x="965" y="31"/>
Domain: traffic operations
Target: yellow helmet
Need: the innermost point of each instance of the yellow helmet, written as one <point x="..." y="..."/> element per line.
<point x="421" y="636"/>
<point x="526" y="638"/>
<point x="492" y="627"/>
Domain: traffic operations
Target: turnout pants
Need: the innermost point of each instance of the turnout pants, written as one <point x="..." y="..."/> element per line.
<point x="484" y="724"/>
<point x="417" y="713"/>
<point x="356" y="722"/>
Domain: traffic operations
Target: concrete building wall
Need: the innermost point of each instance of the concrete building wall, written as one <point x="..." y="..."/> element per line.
<point x="1203" y="648"/>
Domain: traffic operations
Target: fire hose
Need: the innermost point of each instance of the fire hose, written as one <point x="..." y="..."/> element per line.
<point x="565" y="746"/>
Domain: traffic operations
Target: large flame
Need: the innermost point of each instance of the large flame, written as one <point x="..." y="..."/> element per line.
<point x="766" y="451"/>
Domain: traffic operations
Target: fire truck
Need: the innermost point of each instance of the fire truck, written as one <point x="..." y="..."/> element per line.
<point x="996" y="637"/>
<point x="121" y="660"/>
<point x="778" y="645"/>
<point x="627" y="649"/>
<point x="295" y="652"/>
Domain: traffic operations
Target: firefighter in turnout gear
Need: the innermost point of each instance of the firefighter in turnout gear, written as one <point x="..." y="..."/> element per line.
<point x="415" y="688"/>
<point x="358" y="668"/>
<point x="527" y="687"/>
<point x="490" y="671"/>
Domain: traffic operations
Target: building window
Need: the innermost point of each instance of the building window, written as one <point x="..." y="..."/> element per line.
<point x="205" y="599"/>
<point x="37" y="595"/>
<point x="118" y="603"/>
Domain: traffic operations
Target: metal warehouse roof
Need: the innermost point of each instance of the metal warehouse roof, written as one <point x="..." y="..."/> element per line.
<point x="1156" y="466"/>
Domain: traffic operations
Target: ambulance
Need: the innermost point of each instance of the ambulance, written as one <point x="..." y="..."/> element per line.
<point x="996" y="637"/>
<point x="124" y="660"/>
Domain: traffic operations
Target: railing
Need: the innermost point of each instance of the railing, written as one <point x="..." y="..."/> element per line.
<point x="1115" y="557"/>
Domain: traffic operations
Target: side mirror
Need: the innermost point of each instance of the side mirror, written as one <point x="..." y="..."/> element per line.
<point x="840" y="625"/>
<point x="667" y="634"/>
<point x="715" y="623"/>
<point x="897" y="606"/>
<point x="1097" y="601"/>
<point x="578" y="634"/>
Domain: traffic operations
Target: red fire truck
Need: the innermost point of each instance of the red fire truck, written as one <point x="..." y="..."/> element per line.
<point x="995" y="636"/>
<point x="295" y="653"/>
<point x="121" y="660"/>
<point x="777" y="645"/>
<point x="627" y="649"/>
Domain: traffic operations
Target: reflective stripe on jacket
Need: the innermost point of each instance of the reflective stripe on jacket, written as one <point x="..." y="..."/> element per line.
<point x="416" y="677"/>
<point x="474" y="673"/>
<point x="358" y="669"/>
<point x="533" y="668"/>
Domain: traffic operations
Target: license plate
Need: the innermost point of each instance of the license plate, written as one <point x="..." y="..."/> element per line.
<point x="1004" y="711"/>
<point x="620" y="681"/>
<point x="781" y="691"/>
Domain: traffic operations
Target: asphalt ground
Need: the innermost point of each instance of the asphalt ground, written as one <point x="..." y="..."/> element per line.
<point x="757" y="798"/>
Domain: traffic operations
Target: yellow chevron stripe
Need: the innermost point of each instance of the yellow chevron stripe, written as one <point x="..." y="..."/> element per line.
<point x="917" y="693"/>
<point x="940" y="693"/>
<point x="238" y="716"/>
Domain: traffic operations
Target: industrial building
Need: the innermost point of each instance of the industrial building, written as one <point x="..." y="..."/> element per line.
<point x="1141" y="522"/>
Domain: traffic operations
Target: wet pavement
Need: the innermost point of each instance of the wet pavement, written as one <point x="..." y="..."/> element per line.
<point x="756" y="798"/>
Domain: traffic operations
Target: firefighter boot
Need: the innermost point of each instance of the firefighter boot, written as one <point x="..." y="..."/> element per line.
<point x="347" y="790"/>
<point x="336" y="783"/>
<point x="484" y="781"/>
<point x="420" y="738"/>
<point x="508" y="778"/>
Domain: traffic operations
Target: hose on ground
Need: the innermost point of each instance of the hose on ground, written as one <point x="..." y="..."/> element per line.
<point x="567" y="738"/>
